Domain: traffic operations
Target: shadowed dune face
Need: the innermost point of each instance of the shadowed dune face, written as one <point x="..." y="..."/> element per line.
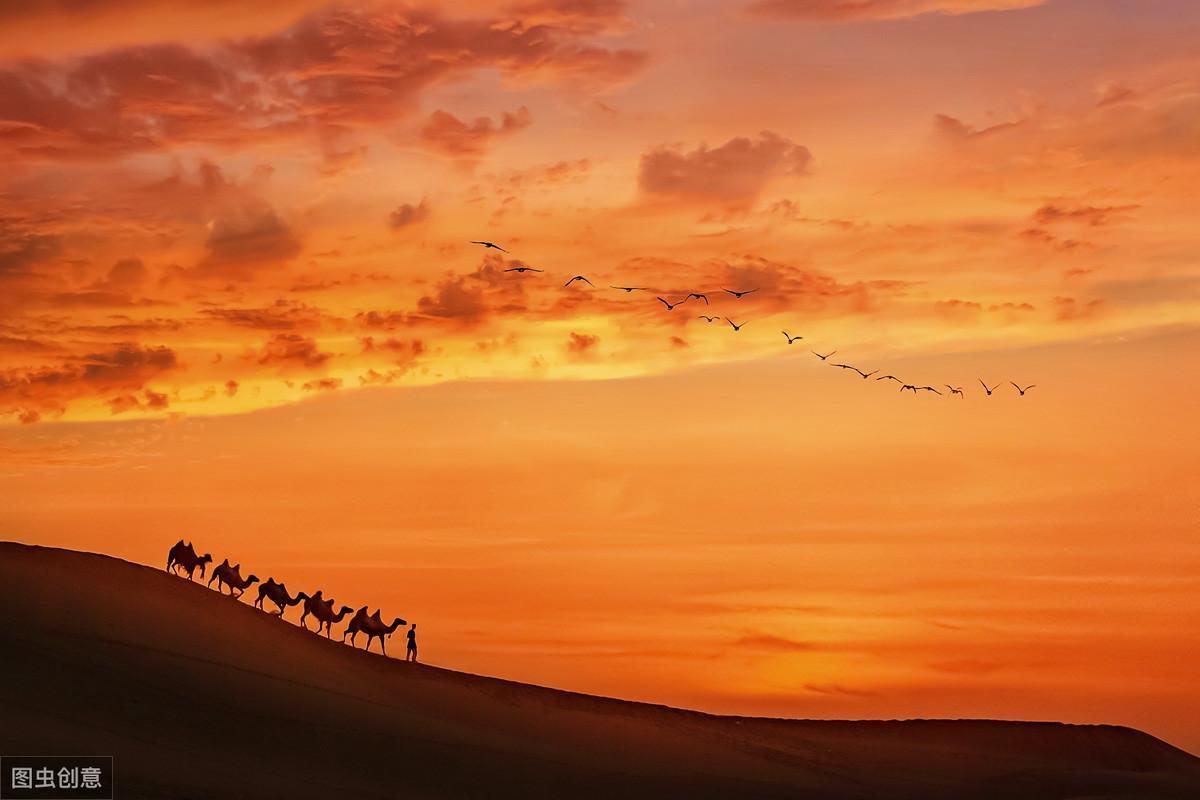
<point x="184" y="686"/>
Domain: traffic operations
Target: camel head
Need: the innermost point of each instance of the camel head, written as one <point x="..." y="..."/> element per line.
<point x="251" y="579"/>
<point x="301" y="596"/>
<point x="396" y="623"/>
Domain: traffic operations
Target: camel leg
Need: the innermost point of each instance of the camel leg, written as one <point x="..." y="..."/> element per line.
<point x="382" y="646"/>
<point x="259" y="604"/>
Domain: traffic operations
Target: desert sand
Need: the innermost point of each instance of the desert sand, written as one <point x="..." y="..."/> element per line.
<point x="196" y="695"/>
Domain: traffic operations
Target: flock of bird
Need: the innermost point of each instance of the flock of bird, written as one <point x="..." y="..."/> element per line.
<point x="737" y="326"/>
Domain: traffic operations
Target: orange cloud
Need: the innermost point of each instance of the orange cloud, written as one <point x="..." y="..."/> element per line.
<point x="849" y="10"/>
<point x="734" y="173"/>
<point x="448" y="134"/>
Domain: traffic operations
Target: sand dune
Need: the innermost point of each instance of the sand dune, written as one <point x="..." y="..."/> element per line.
<point x="199" y="696"/>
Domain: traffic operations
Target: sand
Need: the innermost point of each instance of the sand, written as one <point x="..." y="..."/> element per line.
<point x="197" y="695"/>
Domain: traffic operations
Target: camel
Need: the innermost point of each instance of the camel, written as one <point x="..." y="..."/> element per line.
<point x="231" y="576"/>
<point x="357" y="623"/>
<point x="376" y="628"/>
<point x="328" y="618"/>
<point x="277" y="593"/>
<point x="184" y="556"/>
<point x="315" y="604"/>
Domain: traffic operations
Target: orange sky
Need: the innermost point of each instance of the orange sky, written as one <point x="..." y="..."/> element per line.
<point x="238" y="303"/>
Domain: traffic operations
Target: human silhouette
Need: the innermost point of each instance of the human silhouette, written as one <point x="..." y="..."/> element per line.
<point x="412" y="643"/>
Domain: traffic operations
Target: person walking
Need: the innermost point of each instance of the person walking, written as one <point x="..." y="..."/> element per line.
<point x="412" y="643"/>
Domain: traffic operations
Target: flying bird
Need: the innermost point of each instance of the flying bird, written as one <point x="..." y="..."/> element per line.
<point x="927" y="389"/>
<point x="628" y="288"/>
<point x="955" y="390"/>
<point x="843" y="366"/>
<point x="670" y="306"/>
<point x="791" y="338"/>
<point x="986" y="389"/>
<point x="707" y="318"/>
<point x="823" y="357"/>
<point x="734" y="325"/>
<point x="696" y="295"/>
<point x="908" y="386"/>
<point x="523" y="269"/>
<point x="739" y="294"/>
<point x="890" y="378"/>
<point x="865" y="375"/>
<point x="490" y="244"/>
<point x="1023" y="391"/>
<point x="580" y="278"/>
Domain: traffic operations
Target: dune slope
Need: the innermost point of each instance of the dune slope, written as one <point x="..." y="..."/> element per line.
<point x="197" y="695"/>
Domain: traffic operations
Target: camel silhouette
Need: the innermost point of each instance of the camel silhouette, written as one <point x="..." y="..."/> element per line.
<point x="231" y="576"/>
<point x="376" y="628"/>
<point x="183" y="556"/>
<point x="356" y="624"/>
<point x="277" y="593"/>
<point x="322" y="610"/>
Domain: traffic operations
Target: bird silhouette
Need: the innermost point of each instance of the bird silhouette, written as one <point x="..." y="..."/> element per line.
<point x="494" y="246"/>
<point x="628" y="288"/>
<point x="890" y="378"/>
<point x="843" y="366"/>
<point x="865" y="375"/>
<point x="707" y="318"/>
<point x="928" y="389"/>
<point x="696" y="295"/>
<point x="823" y="357"/>
<point x="955" y="390"/>
<point x="580" y="278"/>
<point x="986" y="389"/>
<point x="1023" y="391"/>
<point x="908" y="386"/>
<point x="523" y="269"/>
<point x="670" y="306"/>
<point x="740" y="294"/>
<point x="734" y="325"/>
<point x="791" y="338"/>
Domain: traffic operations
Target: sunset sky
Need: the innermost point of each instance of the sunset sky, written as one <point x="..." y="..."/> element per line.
<point x="239" y="304"/>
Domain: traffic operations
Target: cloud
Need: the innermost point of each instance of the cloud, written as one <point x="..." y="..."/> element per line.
<point x="450" y="135"/>
<point x="955" y="130"/>
<point x="292" y="349"/>
<point x="733" y="173"/>
<point x="773" y="644"/>
<point x="408" y="214"/>
<point x="322" y="385"/>
<point x="282" y="315"/>
<point x="338" y="68"/>
<point x="1095" y="216"/>
<point x="231" y="388"/>
<point x="854" y="10"/>
<point x="580" y="345"/>
<point x="578" y="16"/>
<point x="153" y="401"/>
<point x="468" y="299"/>
<point x="246" y="240"/>
<point x="125" y="368"/>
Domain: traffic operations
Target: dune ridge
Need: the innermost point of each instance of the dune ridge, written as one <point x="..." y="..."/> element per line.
<point x="200" y="696"/>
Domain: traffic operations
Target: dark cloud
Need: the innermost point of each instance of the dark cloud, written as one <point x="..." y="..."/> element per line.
<point x="852" y="10"/>
<point x="953" y="129"/>
<point x="246" y="240"/>
<point x="322" y="385"/>
<point x="448" y="134"/>
<point x="124" y="368"/>
<point x="408" y="214"/>
<point x="334" y="69"/>
<point x="733" y="173"/>
<point x="774" y="644"/>
<point x="282" y="315"/>
<point x="293" y="350"/>
<point x="1094" y="216"/>
<point x="580" y="345"/>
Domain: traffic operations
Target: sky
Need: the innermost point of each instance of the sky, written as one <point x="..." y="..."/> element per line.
<point x="240" y="304"/>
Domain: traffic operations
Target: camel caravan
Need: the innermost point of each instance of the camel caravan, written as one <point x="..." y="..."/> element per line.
<point x="182" y="559"/>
